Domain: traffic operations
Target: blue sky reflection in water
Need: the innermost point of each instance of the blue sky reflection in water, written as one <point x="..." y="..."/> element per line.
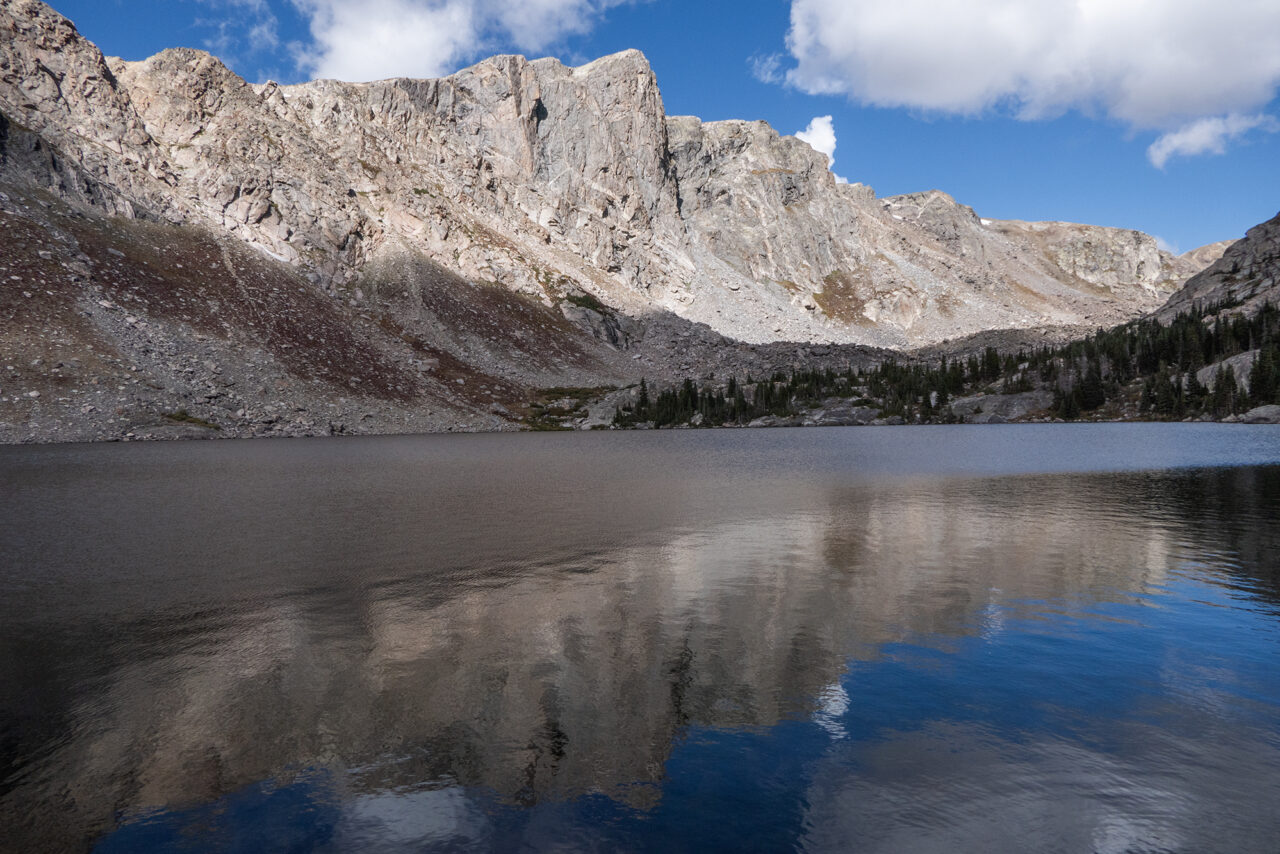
<point x="1062" y="739"/>
<point x="824" y="657"/>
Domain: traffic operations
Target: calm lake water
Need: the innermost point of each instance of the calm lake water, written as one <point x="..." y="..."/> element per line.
<point x="940" y="639"/>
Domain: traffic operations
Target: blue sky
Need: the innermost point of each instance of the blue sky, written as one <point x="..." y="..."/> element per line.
<point x="1160" y="115"/>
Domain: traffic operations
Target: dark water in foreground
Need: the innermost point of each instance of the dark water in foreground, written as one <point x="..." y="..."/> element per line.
<point x="970" y="639"/>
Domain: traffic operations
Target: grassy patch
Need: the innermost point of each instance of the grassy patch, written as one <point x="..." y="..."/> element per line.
<point x="585" y="300"/>
<point x="579" y="392"/>
<point x="842" y="296"/>
<point x="184" y="417"/>
<point x="550" y="408"/>
<point x="545" y="425"/>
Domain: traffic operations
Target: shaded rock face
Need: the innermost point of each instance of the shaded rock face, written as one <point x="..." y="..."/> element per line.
<point x="115" y="328"/>
<point x="1244" y="277"/>
<point x="549" y="181"/>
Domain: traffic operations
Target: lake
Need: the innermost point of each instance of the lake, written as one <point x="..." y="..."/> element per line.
<point x="927" y="639"/>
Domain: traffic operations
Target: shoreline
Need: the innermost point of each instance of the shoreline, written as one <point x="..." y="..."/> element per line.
<point x="205" y="434"/>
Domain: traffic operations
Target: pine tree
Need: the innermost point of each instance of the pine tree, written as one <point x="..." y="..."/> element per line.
<point x="990" y="364"/>
<point x="1262" y="379"/>
<point x="1067" y="404"/>
<point x="1224" y="391"/>
<point x="1195" y="391"/>
<point x="1092" y="394"/>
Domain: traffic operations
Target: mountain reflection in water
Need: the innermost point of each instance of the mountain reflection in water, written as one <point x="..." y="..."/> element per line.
<point x="928" y="640"/>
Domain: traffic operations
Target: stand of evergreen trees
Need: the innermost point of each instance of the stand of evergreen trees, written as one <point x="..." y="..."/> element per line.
<point x="1143" y="364"/>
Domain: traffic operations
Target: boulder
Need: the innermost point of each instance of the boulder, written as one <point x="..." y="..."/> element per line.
<point x="1261" y="415"/>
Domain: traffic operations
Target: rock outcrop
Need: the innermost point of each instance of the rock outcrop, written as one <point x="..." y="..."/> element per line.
<point x="1245" y="277"/>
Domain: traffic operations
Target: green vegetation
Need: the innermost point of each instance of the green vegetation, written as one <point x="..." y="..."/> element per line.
<point x="1141" y="369"/>
<point x="733" y="402"/>
<point x="586" y="300"/>
<point x="1155" y="366"/>
<point x="552" y="408"/>
<point x="184" y="417"/>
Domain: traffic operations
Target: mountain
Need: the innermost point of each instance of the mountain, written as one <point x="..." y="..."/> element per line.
<point x="423" y="254"/>
<point x="1246" y="276"/>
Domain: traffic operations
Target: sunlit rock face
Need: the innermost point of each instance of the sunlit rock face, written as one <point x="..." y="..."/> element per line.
<point x="548" y="179"/>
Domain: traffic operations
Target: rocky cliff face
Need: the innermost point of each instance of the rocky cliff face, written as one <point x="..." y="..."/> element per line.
<point x="1243" y="278"/>
<point x="552" y="180"/>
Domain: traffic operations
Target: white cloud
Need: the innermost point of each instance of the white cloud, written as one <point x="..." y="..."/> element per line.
<point x="243" y="29"/>
<point x="538" y="24"/>
<point x="1152" y="64"/>
<point x="1206" y="136"/>
<point x="263" y="35"/>
<point x="386" y="38"/>
<point x="766" y="69"/>
<point x="821" y="136"/>
<point x="374" y="39"/>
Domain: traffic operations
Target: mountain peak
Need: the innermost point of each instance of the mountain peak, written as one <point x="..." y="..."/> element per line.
<point x="629" y="60"/>
<point x="528" y="173"/>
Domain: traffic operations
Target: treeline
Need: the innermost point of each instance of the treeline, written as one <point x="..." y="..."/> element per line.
<point x="734" y="403"/>
<point x="1144" y="365"/>
<point x="1159" y="365"/>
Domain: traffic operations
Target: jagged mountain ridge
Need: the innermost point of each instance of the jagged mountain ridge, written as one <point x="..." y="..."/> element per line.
<point x="553" y="181"/>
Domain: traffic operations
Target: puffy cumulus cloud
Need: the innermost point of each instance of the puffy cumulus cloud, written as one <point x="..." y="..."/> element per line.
<point x="1152" y="64"/>
<point x="1206" y="136"/>
<point x="374" y="39"/>
<point x="821" y="136"/>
